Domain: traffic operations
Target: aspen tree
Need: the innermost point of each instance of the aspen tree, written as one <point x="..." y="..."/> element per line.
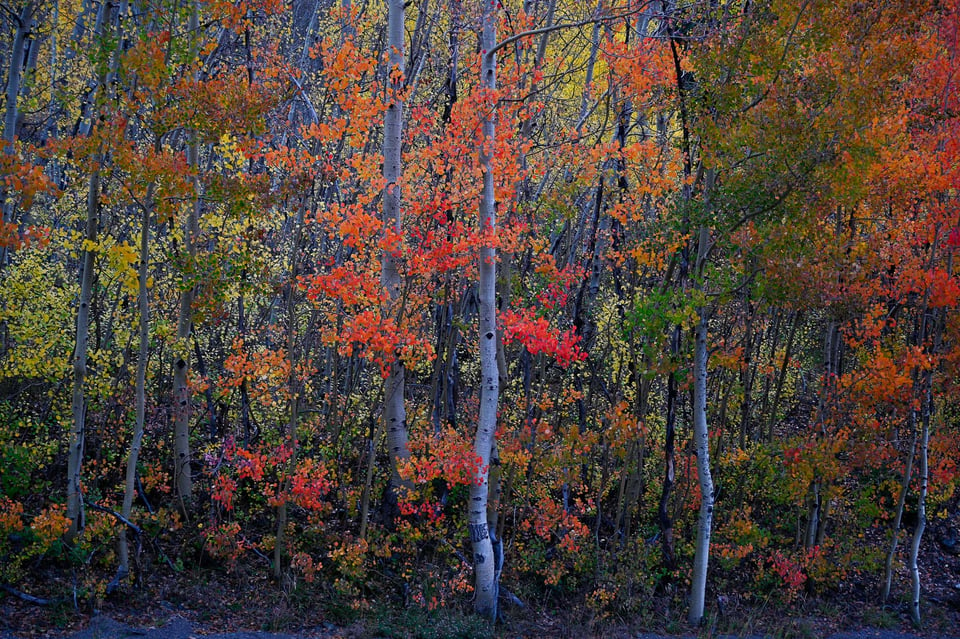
<point x="183" y="479"/>
<point x="701" y="443"/>
<point x="140" y="394"/>
<point x="485" y="563"/>
<point x="394" y="414"/>
<point x="74" y="510"/>
<point x="24" y="21"/>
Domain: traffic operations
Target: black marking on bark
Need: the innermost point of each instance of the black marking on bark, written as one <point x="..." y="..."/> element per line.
<point x="478" y="532"/>
<point x="489" y="335"/>
<point x="478" y="558"/>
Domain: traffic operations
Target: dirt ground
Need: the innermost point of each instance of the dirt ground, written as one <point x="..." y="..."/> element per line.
<point x="103" y="627"/>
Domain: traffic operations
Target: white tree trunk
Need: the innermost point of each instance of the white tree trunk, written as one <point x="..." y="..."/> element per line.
<point x="14" y="75"/>
<point x="394" y="414"/>
<point x="921" y="500"/>
<point x="75" y="511"/>
<point x="11" y="117"/>
<point x="75" y="453"/>
<point x="140" y="399"/>
<point x="701" y="442"/>
<point x="901" y="504"/>
<point x="485" y="593"/>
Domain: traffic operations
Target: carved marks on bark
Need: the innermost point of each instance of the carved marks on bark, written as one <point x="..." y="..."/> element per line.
<point x="478" y="532"/>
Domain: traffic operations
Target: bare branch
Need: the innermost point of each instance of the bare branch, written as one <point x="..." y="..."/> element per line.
<point x="565" y="25"/>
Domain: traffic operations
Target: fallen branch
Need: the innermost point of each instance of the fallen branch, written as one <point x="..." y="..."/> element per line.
<point x="39" y="601"/>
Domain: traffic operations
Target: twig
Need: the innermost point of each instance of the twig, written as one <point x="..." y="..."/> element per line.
<point x="260" y="554"/>
<point x="170" y="564"/>
<point x="143" y="494"/>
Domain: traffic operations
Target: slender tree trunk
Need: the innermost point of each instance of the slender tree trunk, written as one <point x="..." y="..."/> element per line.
<point x="701" y="442"/>
<point x="182" y="410"/>
<point x="914" y="567"/>
<point x="782" y="375"/>
<point x="24" y="24"/>
<point x="486" y="587"/>
<point x="591" y="64"/>
<point x="183" y="478"/>
<point x="831" y="350"/>
<point x="375" y="434"/>
<point x="494" y="497"/>
<point x="75" y="454"/>
<point x="394" y="413"/>
<point x="746" y="370"/>
<point x="140" y="398"/>
<point x="901" y="504"/>
<point x="773" y="339"/>
<point x="669" y="461"/>
<point x="52" y="133"/>
<point x="293" y="388"/>
<point x="454" y="76"/>
<point x="666" y="525"/>
<point x="74" y="507"/>
<point x="11" y="117"/>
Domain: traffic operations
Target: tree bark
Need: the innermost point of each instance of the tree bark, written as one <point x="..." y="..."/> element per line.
<point x="143" y="305"/>
<point x="901" y="504"/>
<point x="782" y="375"/>
<point x="293" y="388"/>
<point x="11" y="117"/>
<point x="75" y="454"/>
<point x="485" y="591"/>
<point x="24" y="22"/>
<point x="914" y="566"/>
<point x="701" y="441"/>
<point x="74" y="506"/>
<point x="394" y="412"/>
<point x="831" y="350"/>
<point x="746" y="370"/>
<point x="183" y="478"/>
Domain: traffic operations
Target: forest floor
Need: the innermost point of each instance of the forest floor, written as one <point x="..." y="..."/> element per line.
<point x="244" y="604"/>
<point x="221" y="607"/>
<point x="177" y="627"/>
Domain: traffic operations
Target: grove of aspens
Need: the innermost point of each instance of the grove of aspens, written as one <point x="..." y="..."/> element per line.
<point x="622" y="309"/>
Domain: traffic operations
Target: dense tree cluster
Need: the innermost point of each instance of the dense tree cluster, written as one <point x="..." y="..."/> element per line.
<point x="430" y="297"/>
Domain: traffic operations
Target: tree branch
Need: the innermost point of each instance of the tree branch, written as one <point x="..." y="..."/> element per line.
<point x="506" y="42"/>
<point x="94" y="506"/>
<point x="39" y="601"/>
